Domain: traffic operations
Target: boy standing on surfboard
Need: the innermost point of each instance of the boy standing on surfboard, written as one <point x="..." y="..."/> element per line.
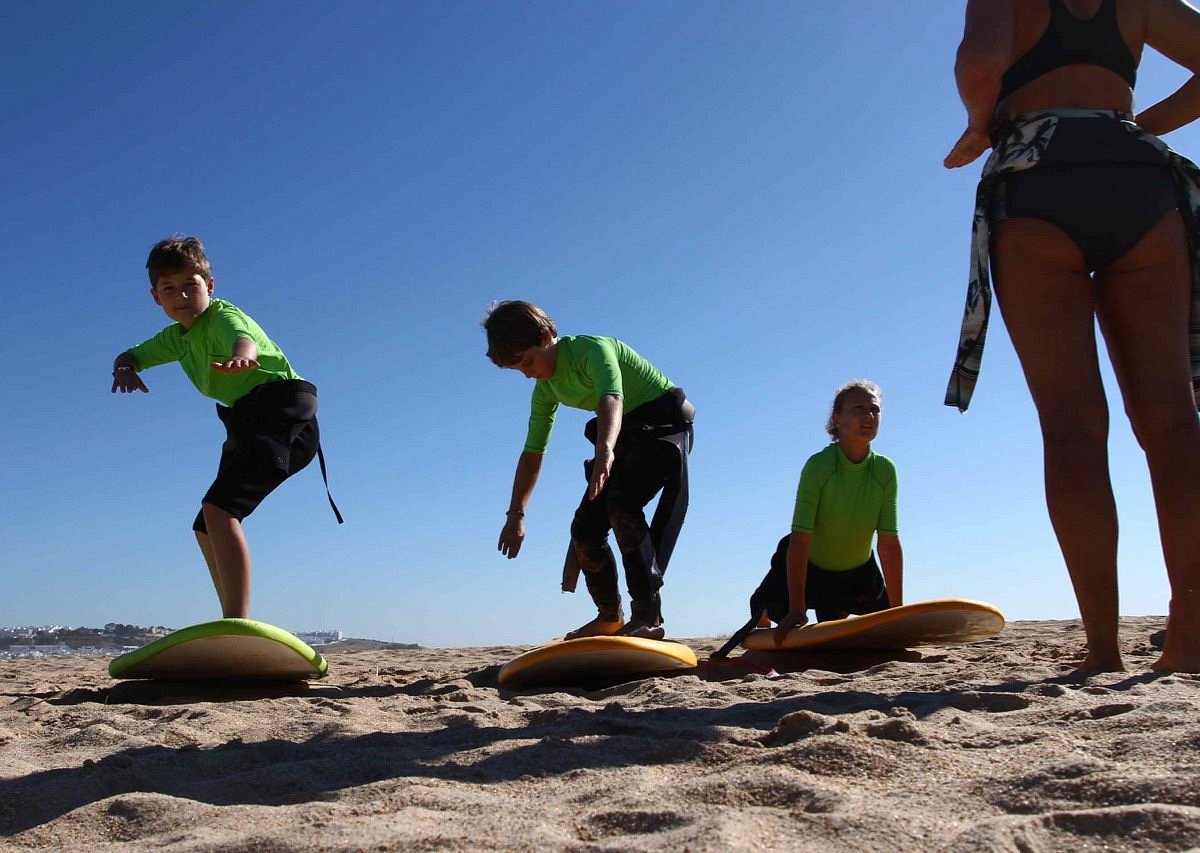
<point x="269" y="412"/>
<point x="642" y="434"/>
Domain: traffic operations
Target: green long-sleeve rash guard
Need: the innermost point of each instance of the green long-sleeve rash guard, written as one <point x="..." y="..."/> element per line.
<point x="587" y="368"/>
<point x="843" y="504"/>
<point x="211" y="339"/>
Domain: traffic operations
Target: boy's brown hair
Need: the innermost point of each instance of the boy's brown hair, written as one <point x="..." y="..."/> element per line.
<point x="177" y="253"/>
<point x="514" y="326"/>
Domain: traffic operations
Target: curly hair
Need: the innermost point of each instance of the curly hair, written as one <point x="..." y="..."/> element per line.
<point x="839" y="397"/>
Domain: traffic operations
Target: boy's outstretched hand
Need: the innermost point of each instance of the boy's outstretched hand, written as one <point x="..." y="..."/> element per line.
<point x="237" y="364"/>
<point x="126" y="380"/>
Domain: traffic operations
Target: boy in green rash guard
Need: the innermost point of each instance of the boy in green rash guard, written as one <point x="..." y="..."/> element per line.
<point x="635" y="405"/>
<point x="847" y="494"/>
<point x="269" y="412"/>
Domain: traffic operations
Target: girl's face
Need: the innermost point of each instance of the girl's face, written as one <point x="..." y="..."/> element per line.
<point x="858" y="417"/>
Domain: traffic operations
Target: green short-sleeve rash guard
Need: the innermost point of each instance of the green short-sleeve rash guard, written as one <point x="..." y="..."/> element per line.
<point x="587" y="368"/>
<point x="843" y="504"/>
<point x="211" y="339"/>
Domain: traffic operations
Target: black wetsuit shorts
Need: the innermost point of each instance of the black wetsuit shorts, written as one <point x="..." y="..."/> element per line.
<point x="271" y="434"/>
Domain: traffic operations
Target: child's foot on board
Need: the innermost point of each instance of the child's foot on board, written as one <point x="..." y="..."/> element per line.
<point x="637" y="628"/>
<point x="598" y="627"/>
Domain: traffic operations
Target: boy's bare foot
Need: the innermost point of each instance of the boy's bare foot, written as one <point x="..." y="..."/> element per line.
<point x="638" y="628"/>
<point x="598" y="627"/>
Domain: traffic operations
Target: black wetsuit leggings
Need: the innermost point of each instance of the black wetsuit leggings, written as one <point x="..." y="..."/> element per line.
<point x="831" y="594"/>
<point x="640" y="470"/>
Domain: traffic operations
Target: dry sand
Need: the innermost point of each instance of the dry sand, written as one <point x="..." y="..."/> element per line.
<point x="995" y="746"/>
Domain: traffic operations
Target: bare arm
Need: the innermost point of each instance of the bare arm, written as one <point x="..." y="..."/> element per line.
<point x="244" y="357"/>
<point x="529" y="466"/>
<point x="797" y="578"/>
<point x="608" y="426"/>
<point x="1173" y="29"/>
<point x="125" y="375"/>
<point x="983" y="56"/>
<point x="891" y="556"/>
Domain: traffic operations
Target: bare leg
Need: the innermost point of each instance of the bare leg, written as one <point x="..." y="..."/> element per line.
<point x="231" y="556"/>
<point x="1048" y="301"/>
<point x="211" y="561"/>
<point x="1143" y="307"/>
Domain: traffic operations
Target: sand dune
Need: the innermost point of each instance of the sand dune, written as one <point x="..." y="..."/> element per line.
<point x="995" y="746"/>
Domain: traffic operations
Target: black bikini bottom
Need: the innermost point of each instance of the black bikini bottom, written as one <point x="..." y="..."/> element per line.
<point x="1105" y="209"/>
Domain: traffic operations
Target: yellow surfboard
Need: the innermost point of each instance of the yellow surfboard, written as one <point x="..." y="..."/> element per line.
<point x="230" y="649"/>
<point x="571" y="662"/>
<point x="942" y="622"/>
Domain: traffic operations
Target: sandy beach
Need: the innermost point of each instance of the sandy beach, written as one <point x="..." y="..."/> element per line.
<point x="993" y="746"/>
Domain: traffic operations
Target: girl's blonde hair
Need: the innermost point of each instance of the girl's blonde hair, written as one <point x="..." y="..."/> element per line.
<point x="838" y="398"/>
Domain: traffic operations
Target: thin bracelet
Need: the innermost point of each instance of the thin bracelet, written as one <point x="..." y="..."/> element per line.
<point x="518" y="512"/>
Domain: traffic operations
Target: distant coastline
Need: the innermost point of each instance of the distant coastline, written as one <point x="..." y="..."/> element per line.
<point x="115" y="638"/>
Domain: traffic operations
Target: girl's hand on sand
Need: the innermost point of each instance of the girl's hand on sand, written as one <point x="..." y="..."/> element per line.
<point x="512" y="536"/>
<point x="126" y="380"/>
<point x="236" y="364"/>
<point x="794" y="619"/>
<point x="968" y="148"/>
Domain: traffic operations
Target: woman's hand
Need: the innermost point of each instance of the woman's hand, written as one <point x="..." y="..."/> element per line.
<point x="970" y="145"/>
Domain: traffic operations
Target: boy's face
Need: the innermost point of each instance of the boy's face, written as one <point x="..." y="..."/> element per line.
<point x="183" y="294"/>
<point x="859" y="415"/>
<point x="538" y="362"/>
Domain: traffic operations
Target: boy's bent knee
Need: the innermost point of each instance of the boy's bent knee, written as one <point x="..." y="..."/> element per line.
<point x="210" y="513"/>
<point x="594" y="557"/>
<point x="629" y="525"/>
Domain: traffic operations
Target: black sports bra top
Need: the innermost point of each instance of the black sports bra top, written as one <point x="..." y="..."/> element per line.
<point x="1069" y="41"/>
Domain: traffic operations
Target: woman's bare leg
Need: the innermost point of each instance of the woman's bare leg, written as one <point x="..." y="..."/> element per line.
<point x="1049" y="303"/>
<point x="1143" y="304"/>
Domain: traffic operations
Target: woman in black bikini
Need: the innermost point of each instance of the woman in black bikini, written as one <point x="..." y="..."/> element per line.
<point x="1085" y="214"/>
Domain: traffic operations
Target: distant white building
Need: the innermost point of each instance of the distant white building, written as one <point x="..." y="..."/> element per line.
<point x="319" y="638"/>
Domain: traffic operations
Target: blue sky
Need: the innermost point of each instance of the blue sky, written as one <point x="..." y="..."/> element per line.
<point x="750" y="194"/>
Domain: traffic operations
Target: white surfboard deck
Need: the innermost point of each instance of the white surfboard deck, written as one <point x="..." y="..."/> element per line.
<point x="232" y="649"/>
<point x="941" y="622"/>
